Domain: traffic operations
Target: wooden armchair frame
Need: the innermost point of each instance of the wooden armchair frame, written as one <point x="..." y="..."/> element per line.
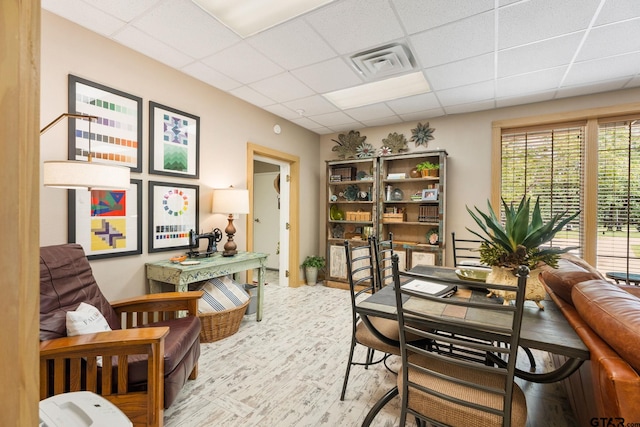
<point x="61" y="360"/>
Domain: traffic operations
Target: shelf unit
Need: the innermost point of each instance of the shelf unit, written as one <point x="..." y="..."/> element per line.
<point x="352" y="209"/>
<point x="412" y="220"/>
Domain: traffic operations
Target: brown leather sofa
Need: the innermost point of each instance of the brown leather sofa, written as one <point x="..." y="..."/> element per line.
<point x="606" y="316"/>
<point x="151" y="352"/>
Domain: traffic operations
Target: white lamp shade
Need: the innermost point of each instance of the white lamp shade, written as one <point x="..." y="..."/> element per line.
<point x="73" y="174"/>
<point x="230" y="201"/>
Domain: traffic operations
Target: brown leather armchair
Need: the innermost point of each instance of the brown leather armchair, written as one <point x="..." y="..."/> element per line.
<point x="146" y="358"/>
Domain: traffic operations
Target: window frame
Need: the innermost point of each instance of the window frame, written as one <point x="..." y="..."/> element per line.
<point x="592" y="117"/>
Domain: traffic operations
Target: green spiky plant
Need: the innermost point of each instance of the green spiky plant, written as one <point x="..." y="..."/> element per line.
<point x="518" y="241"/>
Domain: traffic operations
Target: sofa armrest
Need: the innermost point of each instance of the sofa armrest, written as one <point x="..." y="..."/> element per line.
<point x="151" y="308"/>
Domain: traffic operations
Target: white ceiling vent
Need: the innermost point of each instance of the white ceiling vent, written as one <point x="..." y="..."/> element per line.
<point x="383" y="61"/>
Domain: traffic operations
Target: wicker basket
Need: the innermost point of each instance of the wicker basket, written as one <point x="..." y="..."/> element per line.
<point x="221" y="324"/>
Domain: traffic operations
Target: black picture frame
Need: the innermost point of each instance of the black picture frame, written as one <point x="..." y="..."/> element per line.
<point x="116" y="136"/>
<point x="104" y="225"/>
<point x="174" y="142"/>
<point x="173" y="212"/>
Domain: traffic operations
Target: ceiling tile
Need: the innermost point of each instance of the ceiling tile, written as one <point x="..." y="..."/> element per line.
<point x="547" y="53"/>
<point x="471" y="107"/>
<point x="311" y="105"/>
<point x="420" y="15"/>
<point x="147" y="45"/>
<point x="309" y="124"/>
<point x="328" y="76"/>
<point x="125" y="10"/>
<point x="251" y="96"/>
<point x="467" y="94"/>
<point x="525" y="99"/>
<point x="282" y="111"/>
<point x="452" y="42"/>
<point x="184" y="26"/>
<point x="534" y="20"/>
<point x="282" y="87"/>
<point x="611" y="40"/>
<point x="346" y="127"/>
<point x="422" y="115"/>
<point x="353" y="25"/>
<point x="412" y="104"/>
<point x="566" y="92"/>
<point x="243" y="63"/>
<point x="382" y="121"/>
<point x="603" y="69"/>
<point x="332" y="119"/>
<point x="374" y="111"/>
<point x="539" y="81"/>
<point x="460" y="73"/>
<point x="618" y="10"/>
<point x="208" y="75"/>
<point x="307" y="47"/>
<point x="83" y="14"/>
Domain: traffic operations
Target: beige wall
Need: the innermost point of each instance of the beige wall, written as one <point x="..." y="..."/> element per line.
<point x="467" y="140"/>
<point x="226" y="125"/>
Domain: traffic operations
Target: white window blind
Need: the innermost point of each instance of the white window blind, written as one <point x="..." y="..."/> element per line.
<point x="547" y="163"/>
<point x="618" y="207"/>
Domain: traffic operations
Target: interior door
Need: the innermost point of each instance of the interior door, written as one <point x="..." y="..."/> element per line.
<point x="267" y="217"/>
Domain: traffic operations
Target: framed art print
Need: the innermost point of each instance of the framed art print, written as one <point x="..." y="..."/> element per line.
<point x="107" y="223"/>
<point x="174" y="137"/>
<point x="173" y="212"/>
<point x="116" y="136"/>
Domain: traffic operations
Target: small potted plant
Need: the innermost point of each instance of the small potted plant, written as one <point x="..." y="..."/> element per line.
<point x="311" y="265"/>
<point x="427" y="168"/>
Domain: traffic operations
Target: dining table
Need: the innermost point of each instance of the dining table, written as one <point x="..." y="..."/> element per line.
<point x="541" y="329"/>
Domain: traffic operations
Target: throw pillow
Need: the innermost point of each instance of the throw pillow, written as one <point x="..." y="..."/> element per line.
<point x="86" y="319"/>
<point x="221" y="293"/>
<point x="565" y="277"/>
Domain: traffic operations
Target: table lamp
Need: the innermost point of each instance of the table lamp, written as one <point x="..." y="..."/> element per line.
<point x="229" y="201"/>
<point x="75" y="174"/>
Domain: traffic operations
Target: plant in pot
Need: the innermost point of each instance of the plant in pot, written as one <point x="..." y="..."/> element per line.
<point x="427" y="168"/>
<point x="312" y="264"/>
<point x="518" y="242"/>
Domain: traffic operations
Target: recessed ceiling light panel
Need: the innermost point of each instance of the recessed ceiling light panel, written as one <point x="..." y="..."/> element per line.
<point x="249" y="17"/>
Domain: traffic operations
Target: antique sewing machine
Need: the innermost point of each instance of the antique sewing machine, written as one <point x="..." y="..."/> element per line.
<point x="194" y="243"/>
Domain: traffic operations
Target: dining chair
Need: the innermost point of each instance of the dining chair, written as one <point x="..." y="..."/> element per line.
<point x="444" y="389"/>
<point x="465" y="251"/>
<point x="374" y="333"/>
<point x="383" y="251"/>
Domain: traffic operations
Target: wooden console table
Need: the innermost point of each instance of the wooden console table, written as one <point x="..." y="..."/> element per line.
<point x="216" y="265"/>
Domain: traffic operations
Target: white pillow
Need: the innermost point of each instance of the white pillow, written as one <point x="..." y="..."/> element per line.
<point x="86" y="319"/>
<point x="221" y="293"/>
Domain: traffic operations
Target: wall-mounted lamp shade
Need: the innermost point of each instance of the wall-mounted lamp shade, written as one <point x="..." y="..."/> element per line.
<point x="230" y="201"/>
<point x="75" y="175"/>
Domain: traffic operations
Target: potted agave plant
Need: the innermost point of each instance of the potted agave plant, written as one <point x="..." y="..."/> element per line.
<point x="518" y="242"/>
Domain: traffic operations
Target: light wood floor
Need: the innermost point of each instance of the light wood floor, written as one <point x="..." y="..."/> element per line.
<point x="288" y="369"/>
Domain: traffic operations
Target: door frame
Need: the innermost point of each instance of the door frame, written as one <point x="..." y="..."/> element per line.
<point x="254" y="150"/>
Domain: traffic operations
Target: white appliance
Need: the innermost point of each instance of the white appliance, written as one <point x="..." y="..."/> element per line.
<point x="81" y="409"/>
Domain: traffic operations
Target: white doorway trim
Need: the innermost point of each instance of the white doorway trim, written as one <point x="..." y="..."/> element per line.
<point x="256" y="152"/>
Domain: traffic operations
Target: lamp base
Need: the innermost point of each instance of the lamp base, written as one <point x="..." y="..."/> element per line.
<point x="230" y="246"/>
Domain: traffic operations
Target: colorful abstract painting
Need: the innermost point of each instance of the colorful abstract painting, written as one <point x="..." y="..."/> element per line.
<point x="108" y="203"/>
<point x="175" y="142"/>
<point x="107" y="223"/>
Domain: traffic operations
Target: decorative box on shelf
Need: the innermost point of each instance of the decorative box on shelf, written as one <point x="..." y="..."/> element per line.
<point x="346" y="173"/>
<point x="393" y="217"/>
<point x="358" y="216"/>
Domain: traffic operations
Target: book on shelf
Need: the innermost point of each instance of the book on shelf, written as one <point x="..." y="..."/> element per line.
<point x="402" y="175"/>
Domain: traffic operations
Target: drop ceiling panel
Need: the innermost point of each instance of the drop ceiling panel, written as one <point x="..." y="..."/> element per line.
<point x="243" y="63"/>
<point x="328" y="76"/>
<point x="569" y="91"/>
<point x="125" y="10"/>
<point x="618" y="10"/>
<point x="282" y="87"/>
<point x="547" y="53"/>
<point x="412" y="104"/>
<point x="332" y="119"/>
<point x="419" y="15"/>
<point x="252" y="96"/>
<point x="587" y="72"/>
<point x="311" y="105"/>
<point x="460" y="73"/>
<point x="422" y="115"/>
<point x="187" y="28"/>
<point x="208" y="75"/>
<point x="305" y="48"/>
<point x="611" y="40"/>
<point x="452" y="42"/>
<point x="467" y="94"/>
<point x="530" y="21"/>
<point x="351" y="26"/>
<point x="539" y="81"/>
<point x="375" y="111"/>
<point x="85" y="15"/>
<point x="153" y="48"/>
